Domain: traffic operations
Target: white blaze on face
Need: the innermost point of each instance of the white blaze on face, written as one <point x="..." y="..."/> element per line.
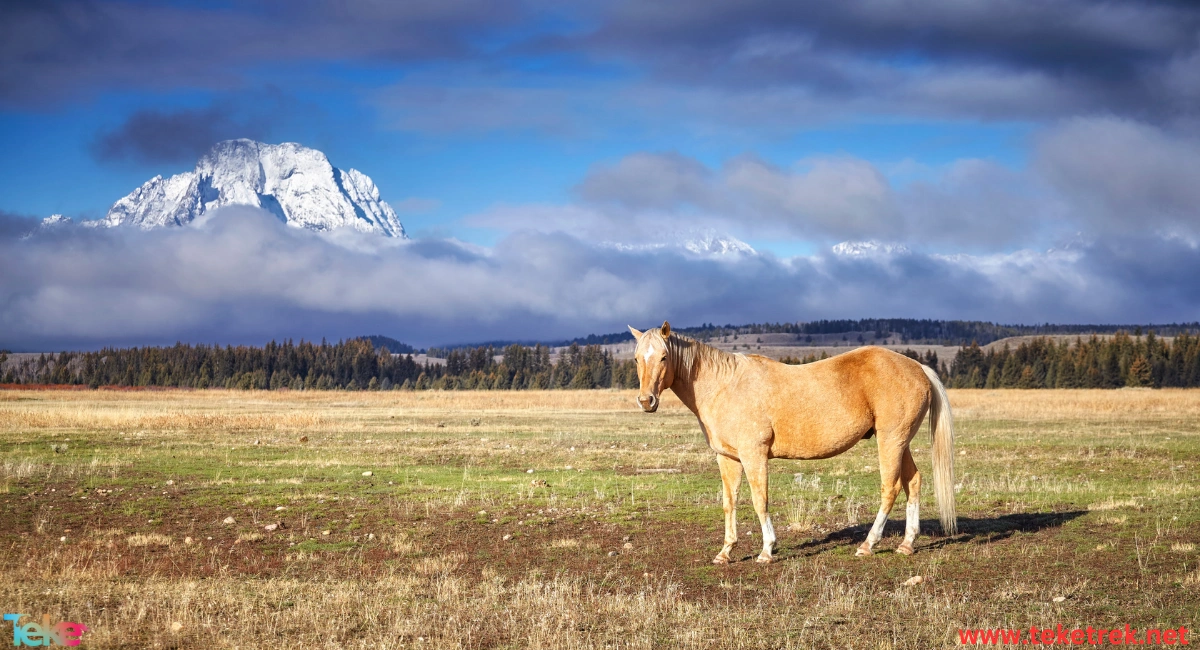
<point x="649" y="352"/>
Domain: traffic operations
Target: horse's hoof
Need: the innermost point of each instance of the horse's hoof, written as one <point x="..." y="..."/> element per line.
<point x="763" y="559"/>
<point x="904" y="549"/>
<point x="863" y="551"/>
<point x="721" y="559"/>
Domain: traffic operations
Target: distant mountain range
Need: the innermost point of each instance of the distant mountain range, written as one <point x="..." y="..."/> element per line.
<point x="296" y="184"/>
<point x="909" y="330"/>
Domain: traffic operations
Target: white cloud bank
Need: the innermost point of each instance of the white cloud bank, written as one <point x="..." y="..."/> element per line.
<point x="241" y="276"/>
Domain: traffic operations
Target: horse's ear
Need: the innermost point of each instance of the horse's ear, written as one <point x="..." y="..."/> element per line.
<point x="666" y="329"/>
<point x="636" y="334"/>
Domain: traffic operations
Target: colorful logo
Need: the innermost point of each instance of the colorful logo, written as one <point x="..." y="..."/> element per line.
<point x="43" y="634"/>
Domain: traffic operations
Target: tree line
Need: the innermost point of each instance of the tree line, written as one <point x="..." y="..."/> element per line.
<point x="1112" y="362"/>
<point x="353" y="365"/>
<point x="1095" y="362"/>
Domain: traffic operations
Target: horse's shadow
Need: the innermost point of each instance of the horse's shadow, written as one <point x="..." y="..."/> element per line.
<point x="989" y="529"/>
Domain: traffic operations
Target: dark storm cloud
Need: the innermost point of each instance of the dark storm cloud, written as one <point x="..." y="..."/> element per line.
<point x="768" y="67"/>
<point x="938" y="57"/>
<point x="1100" y="39"/>
<point x="15" y="226"/>
<point x="57" y="50"/>
<point x="152" y="136"/>
<point x="240" y="275"/>
<point x="758" y="63"/>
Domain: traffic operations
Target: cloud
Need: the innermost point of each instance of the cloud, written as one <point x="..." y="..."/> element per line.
<point x="1013" y="60"/>
<point x="1124" y="176"/>
<point x="842" y="198"/>
<point x="1095" y="176"/>
<point x="649" y="181"/>
<point x="240" y="276"/>
<point x="181" y="136"/>
<point x="477" y="66"/>
<point x="969" y="204"/>
<point x="63" y="50"/>
<point x="15" y="226"/>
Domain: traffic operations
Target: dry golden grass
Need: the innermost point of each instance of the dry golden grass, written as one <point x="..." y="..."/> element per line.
<point x="151" y="539"/>
<point x="1076" y="405"/>
<point x="1084" y="494"/>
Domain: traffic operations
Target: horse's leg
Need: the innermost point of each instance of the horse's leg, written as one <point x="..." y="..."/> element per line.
<point x="756" y="474"/>
<point x="910" y="478"/>
<point x="891" y="448"/>
<point x="731" y="479"/>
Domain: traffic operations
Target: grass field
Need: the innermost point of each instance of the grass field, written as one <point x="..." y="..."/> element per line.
<point x="573" y="520"/>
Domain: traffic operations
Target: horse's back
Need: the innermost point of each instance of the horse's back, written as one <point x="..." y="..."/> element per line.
<point x="821" y="409"/>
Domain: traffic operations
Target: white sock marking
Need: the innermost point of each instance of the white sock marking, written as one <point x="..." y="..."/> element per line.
<point x="913" y="527"/>
<point x="877" y="529"/>
<point x="768" y="534"/>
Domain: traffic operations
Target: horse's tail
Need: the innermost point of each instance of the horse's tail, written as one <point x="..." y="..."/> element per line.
<point x="941" y="426"/>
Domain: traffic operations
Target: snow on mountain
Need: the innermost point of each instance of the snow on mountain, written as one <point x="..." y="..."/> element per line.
<point x="711" y="244"/>
<point x="55" y="221"/>
<point x="296" y="184"/>
<point x="869" y="249"/>
<point x="706" y="244"/>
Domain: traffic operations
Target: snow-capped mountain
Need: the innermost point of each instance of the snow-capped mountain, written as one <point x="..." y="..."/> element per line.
<point x="706" y="244"/>
<point x="869" y="249"/>
<point x="295" y="183"/>
<point x="711" y="244"/>
<point x="55" y="221"/>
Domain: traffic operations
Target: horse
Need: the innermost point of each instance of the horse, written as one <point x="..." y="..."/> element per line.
<point x="752" y="408"/>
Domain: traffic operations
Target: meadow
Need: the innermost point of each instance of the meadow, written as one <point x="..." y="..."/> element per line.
<point x="570" y="519"/>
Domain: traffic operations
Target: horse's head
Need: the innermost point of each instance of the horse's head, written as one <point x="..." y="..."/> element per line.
<point x="655" y="368"/>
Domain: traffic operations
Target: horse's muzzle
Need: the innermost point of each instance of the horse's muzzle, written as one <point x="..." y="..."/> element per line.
<point x="649" y="403"/>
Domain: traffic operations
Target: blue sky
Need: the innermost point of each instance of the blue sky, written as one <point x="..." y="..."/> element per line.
<point x="460" y="173"/>
<point x="982" y="135"/>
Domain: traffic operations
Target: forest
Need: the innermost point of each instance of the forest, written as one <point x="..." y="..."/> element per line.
<point x="1115" y="361"/>
<point x="1110" y="362"/>
<point x="355" y="364"/>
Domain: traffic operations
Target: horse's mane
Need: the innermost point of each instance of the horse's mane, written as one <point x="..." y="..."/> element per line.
<point x="688" y="351"/>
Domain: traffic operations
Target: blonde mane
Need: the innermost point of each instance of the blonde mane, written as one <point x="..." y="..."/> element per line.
<point x="686" y="352"/>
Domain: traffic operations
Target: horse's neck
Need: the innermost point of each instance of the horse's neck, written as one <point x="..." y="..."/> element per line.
<point x="700" y="370"/>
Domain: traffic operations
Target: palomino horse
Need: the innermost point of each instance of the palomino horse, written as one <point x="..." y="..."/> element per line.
<point x="752" y="408"/>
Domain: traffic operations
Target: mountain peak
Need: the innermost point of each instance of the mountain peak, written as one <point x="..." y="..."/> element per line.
<point x="869" y="249"/>
<point x="295" y="183"/>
